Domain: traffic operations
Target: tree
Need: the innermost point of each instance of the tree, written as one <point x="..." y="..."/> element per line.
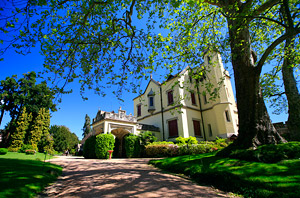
<point x="8" y="93"/>
<point x="287" y="55"/>
<point x="24" y="93"/>
<point x="63" y="138"/>
<point x="87" y="126"/>
<point x="288" y="65"/>
<point x="101" y="40"/>
<point x="46" y="141"/>
<point x="37" y="129"/>
<point x="18" y="137"/>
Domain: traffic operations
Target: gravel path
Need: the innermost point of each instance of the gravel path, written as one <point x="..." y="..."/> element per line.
<point x="121" y="178"/>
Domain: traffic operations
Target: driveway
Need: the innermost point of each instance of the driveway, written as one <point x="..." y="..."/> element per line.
<point x="121" y="178"/>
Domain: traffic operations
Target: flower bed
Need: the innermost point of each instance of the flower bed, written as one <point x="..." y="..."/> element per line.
<point x="30" y="152"/>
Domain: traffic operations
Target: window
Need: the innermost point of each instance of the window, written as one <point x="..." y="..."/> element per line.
<point x="151" y="103"/>
<point x="173" y="128"/>
<point x="170" y="97"/>
<point x="193" y="98"/>
<point x="205" y="99"/>
<point x="197" y="129"/>
<point x="139" y="112"/>
<point x="209" y="130"/>
<point x="151" y="107"/>
<point x="227" y="116"/>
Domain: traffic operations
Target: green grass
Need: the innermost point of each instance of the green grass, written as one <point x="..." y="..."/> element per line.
<point x="24" y="175"/>
<point x="14" y="155"/>
<point x="250" y="179"/>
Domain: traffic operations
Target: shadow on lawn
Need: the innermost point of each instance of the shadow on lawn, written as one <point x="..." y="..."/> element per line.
<point x="25" y="178"/>
<point x="251" y="179"/>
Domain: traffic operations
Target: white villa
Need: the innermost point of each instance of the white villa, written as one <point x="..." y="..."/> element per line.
<point x="180" y="106"/>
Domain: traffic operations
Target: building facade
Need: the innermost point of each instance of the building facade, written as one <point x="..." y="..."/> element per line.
<point x="182" y="106"/>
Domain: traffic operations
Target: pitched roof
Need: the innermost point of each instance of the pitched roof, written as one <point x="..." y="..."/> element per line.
<point x="170" y="77"/>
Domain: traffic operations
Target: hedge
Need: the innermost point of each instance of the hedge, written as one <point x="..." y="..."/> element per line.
<point x="168" y="149"/>
<point x="89" y="148"/>
<point x="132" y="145"/>
<point x="3" y="151"/>
<point x="269" y="153"/>
<point x="104" y="142"/>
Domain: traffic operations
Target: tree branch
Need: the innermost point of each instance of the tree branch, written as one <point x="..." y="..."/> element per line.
<point x="265" y="6"/>
<point x="273" y="45"/>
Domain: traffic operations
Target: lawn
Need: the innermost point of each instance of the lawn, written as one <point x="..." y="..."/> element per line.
<point x="24" y="175"/>
<point x="250" y="179"/>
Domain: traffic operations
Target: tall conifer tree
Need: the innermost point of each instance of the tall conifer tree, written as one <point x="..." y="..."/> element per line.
<point x="22" y="127"/>
<point x="87" y="126"/>
<point x="37" y="129"/>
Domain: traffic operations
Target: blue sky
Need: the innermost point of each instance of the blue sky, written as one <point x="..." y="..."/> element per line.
<point x="73" y="109"/>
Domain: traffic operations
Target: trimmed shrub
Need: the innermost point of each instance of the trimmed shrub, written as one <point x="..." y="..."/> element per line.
<point x="104" y="142"/>
<point x="221" y="142"/>
<point x="26" y="147"/>
<point x="3" y="151"/>
<point x="147" y="137"/>
<point x="161" y="150"/>
<point x="269" y="153"/>
<point x="30" y="152"/>
<point x="190" y="140"/>
<point x="132" y="145"/>
<point x="89" y="148"/>
<point x="180" y="140"/>
<point x="184" y="146"/>
<point x="161" y="143"/>
<point x="12" y="149"/>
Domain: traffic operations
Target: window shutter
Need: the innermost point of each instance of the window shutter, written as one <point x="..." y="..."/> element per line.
<point x="173" y="128"/>
<point x="197" y="128"/>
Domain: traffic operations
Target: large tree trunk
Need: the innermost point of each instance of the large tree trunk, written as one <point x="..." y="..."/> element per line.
<point x="291" y="91"/>
<point x="255" y="126"/>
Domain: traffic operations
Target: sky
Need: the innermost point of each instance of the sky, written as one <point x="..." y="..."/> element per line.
<point x="72" y="110"/>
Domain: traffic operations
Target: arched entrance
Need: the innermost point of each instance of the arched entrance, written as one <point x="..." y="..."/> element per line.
<point x="119" y="150"/>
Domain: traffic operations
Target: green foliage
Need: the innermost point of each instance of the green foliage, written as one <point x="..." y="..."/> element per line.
<point x="132" y="145"/>
<point x="161" y="150"/>
<point x="161" y="143"/>
<point x="190" y="140"/>
<point x="167" y="149"/>
<point x="46" y="142"/>
<point x="26" y="147"/>
<point x="196" y="149"/>
<point x="269" y="153"/>
<point x="87" y="126"/>
<point x="63" y="138"/>
<point x="37" y="129"/>
<point x="17" y="94"/>
<point x="180" y="140"/>
<point x="146" y="137"/>
<point x="104" y="142"/>
<point x="3" y="151"/>
<point x="89" y="148"/>
<point x="22" y="126"/>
